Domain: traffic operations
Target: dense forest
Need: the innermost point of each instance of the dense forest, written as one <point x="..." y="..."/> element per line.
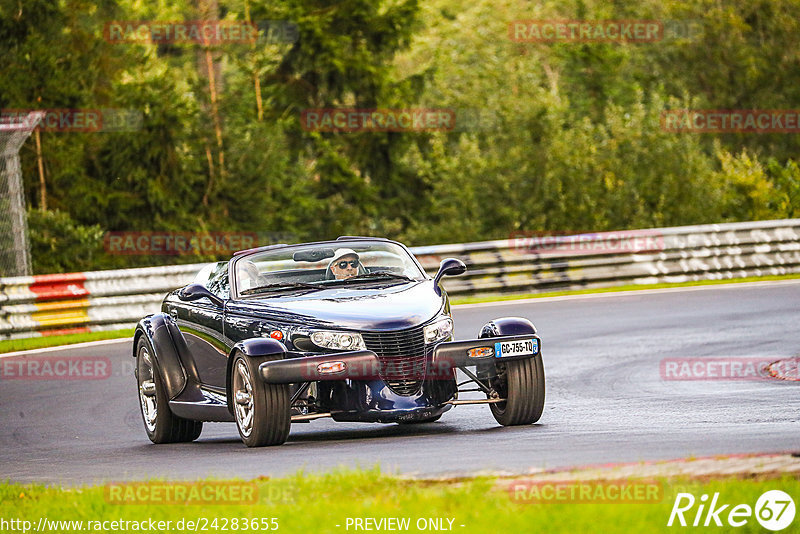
<point x="549" y="136"/>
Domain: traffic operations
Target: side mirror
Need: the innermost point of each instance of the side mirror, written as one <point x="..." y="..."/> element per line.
<point x="194" y="292"/>
<point x="448" y="267"/>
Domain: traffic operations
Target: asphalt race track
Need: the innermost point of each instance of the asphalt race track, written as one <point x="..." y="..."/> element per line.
<point x="606" y="401"/>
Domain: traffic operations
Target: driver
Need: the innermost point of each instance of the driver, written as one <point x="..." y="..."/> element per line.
<point x="344" y="264"/>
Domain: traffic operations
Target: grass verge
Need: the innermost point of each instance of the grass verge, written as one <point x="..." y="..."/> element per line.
<point x="31" y="343"/>
<point x="331" y="502"/>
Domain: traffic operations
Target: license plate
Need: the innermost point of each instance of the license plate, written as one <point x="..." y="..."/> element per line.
<point x="522" y="347"/>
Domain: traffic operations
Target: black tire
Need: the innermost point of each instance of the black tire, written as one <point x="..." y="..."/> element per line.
<point x="268" y="405"/>
<point x="421" y="421"/>
<point x="521" y="383"/>
<point x="161" y="425"/>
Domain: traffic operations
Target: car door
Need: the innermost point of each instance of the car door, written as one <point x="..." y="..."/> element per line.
<point x="201" y="323"/>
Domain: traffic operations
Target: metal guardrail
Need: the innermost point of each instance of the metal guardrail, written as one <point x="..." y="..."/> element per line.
<point x="80" y="302"/>
<point x="104" y="300"/>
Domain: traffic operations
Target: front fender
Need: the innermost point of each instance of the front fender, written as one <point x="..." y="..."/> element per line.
<point x="256" y="347"/>
<point x="507" y="326"/>
<point x="503" y="326"/>
<point x="260" y="346"/>
<point x="157" y="330"/>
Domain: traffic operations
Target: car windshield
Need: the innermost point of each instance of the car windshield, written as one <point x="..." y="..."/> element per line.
<point x="320" y="265"/>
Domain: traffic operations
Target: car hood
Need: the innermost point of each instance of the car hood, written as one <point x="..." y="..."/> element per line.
<point x="363" y="307"/>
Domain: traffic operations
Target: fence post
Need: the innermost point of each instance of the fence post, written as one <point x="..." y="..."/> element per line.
<point x="15" y="256"/>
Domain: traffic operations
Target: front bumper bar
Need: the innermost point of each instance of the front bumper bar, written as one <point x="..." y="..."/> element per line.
<point x="365" y="364"/>
<point x="360" y="364"/>
<point x="457" y="353"/>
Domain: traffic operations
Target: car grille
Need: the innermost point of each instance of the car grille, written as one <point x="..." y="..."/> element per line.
<point x="402" y="356"/>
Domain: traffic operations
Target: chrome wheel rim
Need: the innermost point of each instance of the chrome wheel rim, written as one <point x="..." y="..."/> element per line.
<point x="147" y="390"/>
<point x="243" y="398"/>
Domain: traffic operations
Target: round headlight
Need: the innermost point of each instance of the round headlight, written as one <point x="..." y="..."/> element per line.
<point x="439" y="331"/>
<point x="338" y="340"/>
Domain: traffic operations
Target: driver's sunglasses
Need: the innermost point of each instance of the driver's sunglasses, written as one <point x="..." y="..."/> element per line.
<point x="343" y="264"/>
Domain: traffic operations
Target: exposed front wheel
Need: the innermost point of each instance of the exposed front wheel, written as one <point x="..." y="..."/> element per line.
<point x="262" y="411"/>
<point x="521" y="383"/>
<point x="161" y="425"/>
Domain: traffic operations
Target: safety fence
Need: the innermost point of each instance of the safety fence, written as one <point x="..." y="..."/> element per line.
<point x="523" y="263"/>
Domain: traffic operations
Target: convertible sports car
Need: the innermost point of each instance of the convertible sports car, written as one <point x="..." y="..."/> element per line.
<point x="352" y="329"/>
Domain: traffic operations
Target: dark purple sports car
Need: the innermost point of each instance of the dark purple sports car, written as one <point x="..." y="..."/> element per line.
<point x="352" y="329"/>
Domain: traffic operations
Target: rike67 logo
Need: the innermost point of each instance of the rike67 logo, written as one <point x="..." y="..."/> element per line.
<point x="774" y="510"/>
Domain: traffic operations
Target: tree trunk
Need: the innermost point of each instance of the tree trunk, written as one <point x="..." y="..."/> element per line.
<point x="42" y="184"/>
<point x="210" y="69"/>
<point x="256" y="79"/>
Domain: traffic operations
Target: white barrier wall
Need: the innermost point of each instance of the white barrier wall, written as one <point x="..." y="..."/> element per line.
<point x="103" y="300"/>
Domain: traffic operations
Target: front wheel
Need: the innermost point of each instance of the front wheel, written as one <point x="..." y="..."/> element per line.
<point x="262" y="411"/>
<point x="521" y="383"/>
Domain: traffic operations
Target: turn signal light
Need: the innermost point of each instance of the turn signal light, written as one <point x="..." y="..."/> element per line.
<point x="481" y="352"/>
<point x="276" y="334"/>
<point x="331" y="367"/>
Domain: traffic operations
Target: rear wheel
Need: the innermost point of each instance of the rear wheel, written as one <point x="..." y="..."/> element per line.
<point x="161" y="425"/>
<point x="262" y="410"/>
<point x="521" y="383"/>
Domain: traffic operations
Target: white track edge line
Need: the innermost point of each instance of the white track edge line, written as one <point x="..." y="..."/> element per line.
<point x="85" y="344"/>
